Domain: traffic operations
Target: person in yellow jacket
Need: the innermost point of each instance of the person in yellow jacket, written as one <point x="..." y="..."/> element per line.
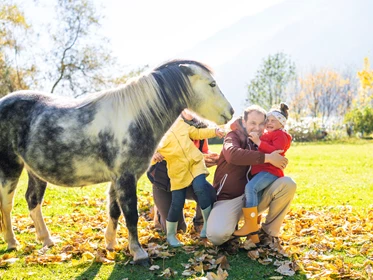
<point x="186" y="166"/>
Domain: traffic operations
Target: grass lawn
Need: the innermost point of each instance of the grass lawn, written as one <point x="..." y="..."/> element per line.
<point x="328" y="228"/>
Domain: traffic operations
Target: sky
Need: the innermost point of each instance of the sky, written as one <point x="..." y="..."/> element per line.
<point x="150" y="32"/>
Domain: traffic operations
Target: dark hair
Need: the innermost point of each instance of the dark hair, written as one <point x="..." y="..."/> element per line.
<point x="284" y="108"/>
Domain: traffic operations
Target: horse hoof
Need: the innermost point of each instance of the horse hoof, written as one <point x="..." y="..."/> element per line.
<point x="13" y="246"/>
<point x="110" y="246"/>
<point x="48" y="243"/>
<point x="143" y="262"/>
<point x="11" y="249"/>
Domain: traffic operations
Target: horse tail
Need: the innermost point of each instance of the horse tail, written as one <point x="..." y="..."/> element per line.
<point x="2" y="223"/>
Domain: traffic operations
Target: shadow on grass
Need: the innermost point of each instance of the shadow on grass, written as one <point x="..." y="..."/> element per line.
<point x="6" y="251"/>
<point x="130" y="271"/>
<point x="243" y="268"/>
<point x="91" y="272"/>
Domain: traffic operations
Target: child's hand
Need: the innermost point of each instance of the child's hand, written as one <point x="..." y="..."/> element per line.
<point x="211" y="159"/>
<point x="157" y="157"/>
<point x="219" y="132"/>
<point x="254" y="136"/>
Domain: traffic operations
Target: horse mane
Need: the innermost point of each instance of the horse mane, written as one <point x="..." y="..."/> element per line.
<point x="177" y="62"/>
<point x="149" y="92"/>
<point x="170" y="77"/>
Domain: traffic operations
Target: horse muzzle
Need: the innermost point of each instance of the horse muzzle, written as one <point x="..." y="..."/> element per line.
<point x="227" y="116"/>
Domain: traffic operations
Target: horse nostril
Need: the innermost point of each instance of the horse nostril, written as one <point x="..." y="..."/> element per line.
<point x="226" y="120"/>
<point x="232" y="111"/>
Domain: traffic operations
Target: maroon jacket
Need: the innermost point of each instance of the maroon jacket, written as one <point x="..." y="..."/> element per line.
<point x="238" y="154"/>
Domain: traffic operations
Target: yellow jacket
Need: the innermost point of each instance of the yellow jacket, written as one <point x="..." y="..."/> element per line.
<point x="184" y="159"/>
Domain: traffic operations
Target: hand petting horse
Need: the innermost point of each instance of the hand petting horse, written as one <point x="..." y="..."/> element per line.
<point x="109" y="136"/>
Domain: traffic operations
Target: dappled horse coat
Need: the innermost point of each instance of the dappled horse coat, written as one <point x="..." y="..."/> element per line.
<point x="109" y="136"/>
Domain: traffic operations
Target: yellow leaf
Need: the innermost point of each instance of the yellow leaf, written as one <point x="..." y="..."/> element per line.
<point x="199" y="268"/>
<point x="87" y="256"/>
<point x="325" y="258"/>
<point x="111" y="255"/>
<point x="75" y="262"/>
<point x="353" y="252"/>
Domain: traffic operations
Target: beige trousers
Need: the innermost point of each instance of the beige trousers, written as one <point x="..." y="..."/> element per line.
<point x="225" y="214"/>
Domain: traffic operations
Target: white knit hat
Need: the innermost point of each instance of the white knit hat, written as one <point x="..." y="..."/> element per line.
<point x="280" y="117"/>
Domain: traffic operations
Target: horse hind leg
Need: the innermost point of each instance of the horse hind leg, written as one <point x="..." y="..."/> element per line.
<point x="34" y="197"/>
<point x="114" y="214"/>
<point x="8" y="186"/>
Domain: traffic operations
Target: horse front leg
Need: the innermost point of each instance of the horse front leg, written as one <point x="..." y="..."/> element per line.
<point x="125" y="189"/>
<point x="34" y="197"/>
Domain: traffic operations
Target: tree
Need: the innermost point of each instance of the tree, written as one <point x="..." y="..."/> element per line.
<point x="361" y="120"/>
<point x="13" y="74"/>
<point x="268" y="86"/>
<point x="366" y="85"/>
<point x="75" y="59"/>
<point x="296" y="100"/>
<point x="327" y="93"/>
<point x="80" y="56"/>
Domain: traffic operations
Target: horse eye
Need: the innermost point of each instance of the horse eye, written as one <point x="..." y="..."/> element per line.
<point x="213" y="84"/>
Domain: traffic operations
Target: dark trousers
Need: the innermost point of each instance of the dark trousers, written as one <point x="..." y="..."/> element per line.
<point x="201" y="189"/>
<point x="162" y="201"/>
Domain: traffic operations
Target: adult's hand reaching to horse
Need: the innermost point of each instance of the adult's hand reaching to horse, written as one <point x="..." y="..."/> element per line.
<point x="219" y="132"/>
<point x="276" y="159"/>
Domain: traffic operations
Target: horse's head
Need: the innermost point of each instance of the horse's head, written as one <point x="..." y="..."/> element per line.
<point x="208" y="101"/>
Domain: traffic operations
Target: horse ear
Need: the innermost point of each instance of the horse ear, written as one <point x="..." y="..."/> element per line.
<point x="188" y="69"/>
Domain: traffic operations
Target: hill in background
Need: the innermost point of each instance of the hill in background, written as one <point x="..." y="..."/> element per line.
<point x="317" y="33"/>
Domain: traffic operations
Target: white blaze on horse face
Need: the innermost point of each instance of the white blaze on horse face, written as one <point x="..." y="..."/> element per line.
<point x="209" y="102"/>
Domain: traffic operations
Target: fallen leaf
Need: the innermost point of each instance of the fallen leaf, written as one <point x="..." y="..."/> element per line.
<point x="87" y="256"/>
<point x="168" y="272"/>
<point x="199" y="268"/>
<point x="154" y="267"/>
<point x="223" y="261"/>
<point x="253" y="254"/>
<point x="265" y="261"/>
<point x="188" y="273"/>
<point x="369" y="271"/>
<point x="249" y="244"/>
<point x="286" y="269"/>
<point x="111" y="255"/>
<point x="220" y="275"/>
